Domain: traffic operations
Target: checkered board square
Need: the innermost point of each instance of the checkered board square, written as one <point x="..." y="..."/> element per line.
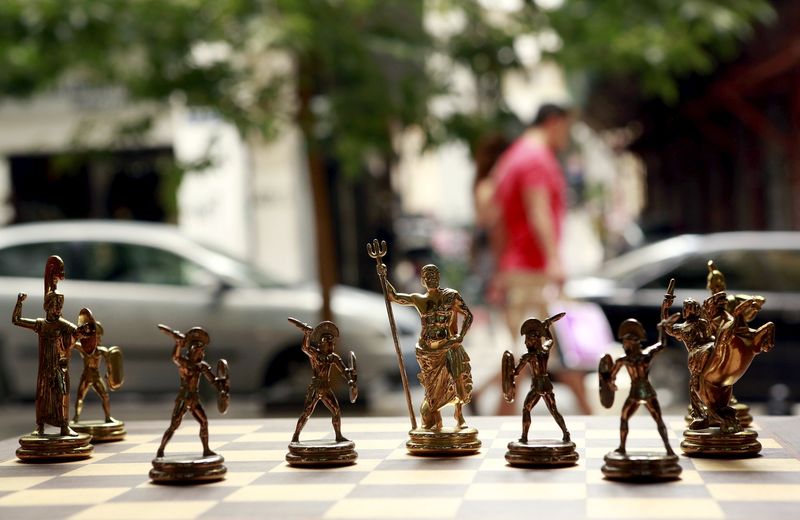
<point x="388" y="483"/>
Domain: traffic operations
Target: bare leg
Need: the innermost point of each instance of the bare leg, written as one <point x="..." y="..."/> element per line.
<point x="102" y="391"/>
<point x="550" y="401"/>
<point x="431" y="419"/>
<point x="628" y="409"/>
<point x="329" y="400"/>
<point x="530" y="401"/>
<point x="83" y="388"/>
<point x="655" y="411"/>
<point x="308" y="408"/>
<point x="459" y="416"/>
<point x="200" y="415"/>
<point x="177" y="417"/>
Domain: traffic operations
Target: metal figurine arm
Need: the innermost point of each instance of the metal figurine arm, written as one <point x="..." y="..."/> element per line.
<point x="521" y="365"/>
<point x="669" y="299"/>
<point x="463" y="309"/>
<point x="396" y="297"/>
<point x="16" y="316"/>
<point x="205" y="369"/>
<point x="178" y="337"/>
<point x="340" y="366"/>
<point x="617" y="366"/>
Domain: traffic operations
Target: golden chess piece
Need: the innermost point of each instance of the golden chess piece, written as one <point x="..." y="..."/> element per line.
<point x="108" y="429"/>
<point x="318" y="344"/>
<point x="621" y="464"/>
<point x="445" y="372"/>
<point x="718" y="358"/>
<point x="536" y="452"/>
<point x="57" y="338"/>
<point x="208" y="466"/>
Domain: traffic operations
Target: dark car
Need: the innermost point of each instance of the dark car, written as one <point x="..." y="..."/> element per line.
<point x="763" y="263"/>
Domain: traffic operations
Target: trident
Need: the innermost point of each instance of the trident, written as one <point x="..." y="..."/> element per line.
<point x="378" y="251"/>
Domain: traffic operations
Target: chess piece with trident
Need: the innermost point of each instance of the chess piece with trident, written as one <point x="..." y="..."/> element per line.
<point x="445" y="372"/>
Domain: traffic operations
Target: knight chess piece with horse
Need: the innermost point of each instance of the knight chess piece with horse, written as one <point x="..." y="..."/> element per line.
<point x="721" y="346"/>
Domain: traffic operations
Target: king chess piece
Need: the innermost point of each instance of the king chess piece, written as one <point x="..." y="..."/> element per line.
<point x="621" y="464"/>
<point x="57" y="338"/>
<point x="208" y="466"/>
<point x="536" y="452"/>
<point x="445" y="372"/>
<point x="108" y="429"/>
<point x="718" y="357"/>
<point x="318" y="344"/>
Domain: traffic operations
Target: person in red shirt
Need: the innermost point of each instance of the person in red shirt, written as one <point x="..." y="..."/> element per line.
<point x="531" y="190"/>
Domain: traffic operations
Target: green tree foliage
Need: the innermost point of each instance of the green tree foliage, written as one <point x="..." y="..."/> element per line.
<point x="361" y="66"/>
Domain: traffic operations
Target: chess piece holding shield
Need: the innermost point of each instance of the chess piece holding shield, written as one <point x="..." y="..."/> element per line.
<point x="109" y="429"/>
<point x="536" y="452"/>
<point x="57" y="338"/>
<point x="318" y="344"/>
<point x="208" y="466"/>
<point x="445" y="372"/>
<point x="621" y="464"/>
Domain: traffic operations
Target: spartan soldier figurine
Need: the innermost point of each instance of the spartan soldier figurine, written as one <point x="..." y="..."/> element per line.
<point x="191" y="366"/>
<point x="445" y="372"/>
<point x="57" y="337"/>
<point x="318" y="344"/>
<point x="109" y="429"/>
<point x="619" y="464"/>
<point x="538" y="341"/>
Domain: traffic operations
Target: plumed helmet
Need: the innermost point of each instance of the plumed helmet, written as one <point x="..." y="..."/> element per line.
<point x="325" y="327"/>
<point x="533" y="326"/>
<point x="631" y="329"/>
<point x="197" y="335"/>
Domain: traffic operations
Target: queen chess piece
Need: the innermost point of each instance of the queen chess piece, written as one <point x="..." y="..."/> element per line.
<point x="640" y="466"/>
<point x="57" y="338"/>
<point x="318" y="344"/>
<point x="109" y="429"/>
<point x="445" y="372"/>
<point x="208" y="466"/>
<point x="536" y="452"/>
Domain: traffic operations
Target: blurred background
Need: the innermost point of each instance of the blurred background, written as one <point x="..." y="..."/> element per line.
<point x="223" y="163"/>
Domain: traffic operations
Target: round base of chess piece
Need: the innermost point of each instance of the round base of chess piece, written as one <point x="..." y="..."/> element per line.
<point x="54" y="448"/>
<point x="448" y="442"/>
<point x="187" y="469"/>
<point x="641" y="466"/>
<point x="322" y="453"/>
<point x="101" y="431"/>
<point x="711" y="442"/>
<point x="541" y="453"/>
<point x="742" y="414"/>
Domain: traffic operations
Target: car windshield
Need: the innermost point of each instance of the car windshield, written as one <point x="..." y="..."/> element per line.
<point x="235" y="270"/>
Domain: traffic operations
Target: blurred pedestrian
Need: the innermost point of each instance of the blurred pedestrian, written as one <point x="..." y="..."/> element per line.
<point x="530" y="189"/>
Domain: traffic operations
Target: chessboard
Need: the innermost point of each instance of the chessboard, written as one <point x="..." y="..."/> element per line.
<point x="388" y="483"/>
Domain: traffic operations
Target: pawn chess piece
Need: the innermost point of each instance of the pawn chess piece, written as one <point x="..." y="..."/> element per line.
<point x="109" y="429"/>
<point x="57" y="337"/>
<point x="318" y="344"/>
<point x="445" y="372"/>
<point x="536" y="452"/>
<point x="208" y="466"/>
<point x="621" y="464"/>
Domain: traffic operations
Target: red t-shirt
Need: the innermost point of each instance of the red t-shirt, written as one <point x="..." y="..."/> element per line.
<point x="527" y="164"/>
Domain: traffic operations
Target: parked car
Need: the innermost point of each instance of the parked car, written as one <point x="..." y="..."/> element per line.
<point x="136" y="275"/>
<point x="764" y="263"/>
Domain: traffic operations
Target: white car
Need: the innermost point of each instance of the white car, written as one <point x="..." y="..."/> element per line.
<point x="134" y="276"/>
